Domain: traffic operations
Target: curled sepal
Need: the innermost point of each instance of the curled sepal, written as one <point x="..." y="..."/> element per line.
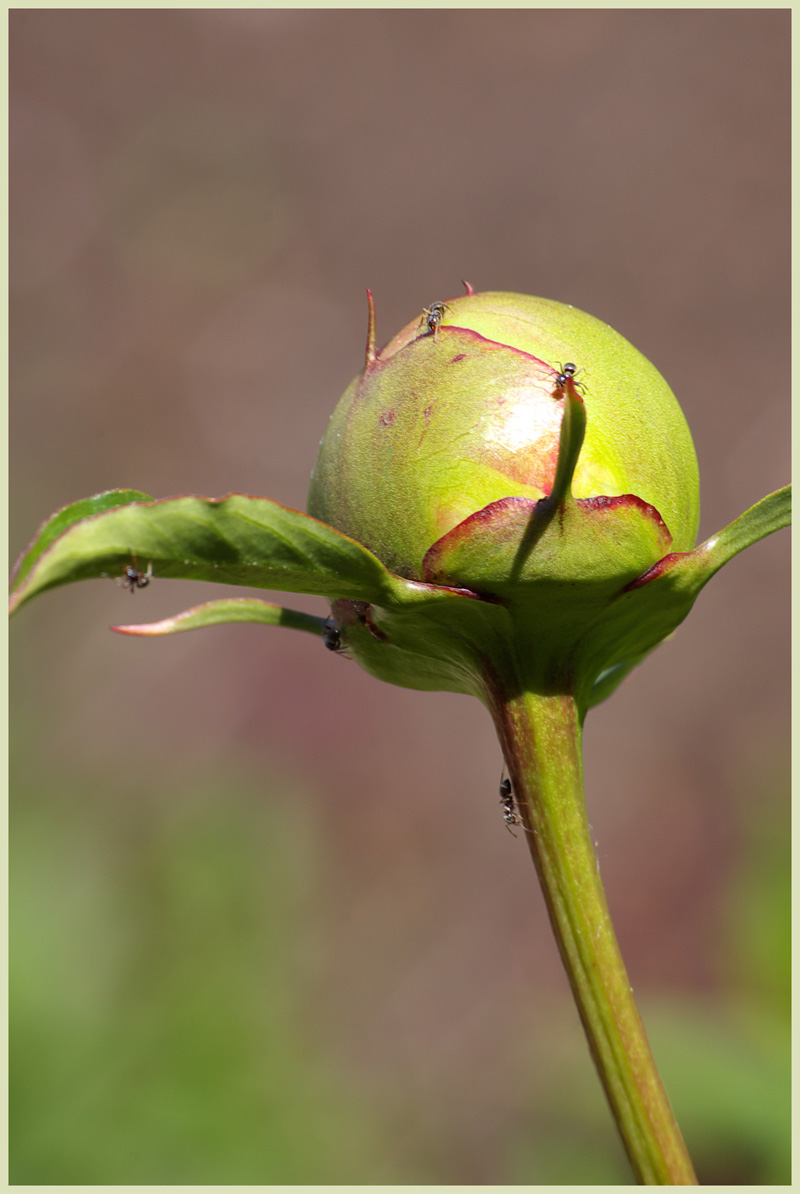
<point x="234" y="609"/>
<point x="570" y="442"/>
<point x="237" y="539"/>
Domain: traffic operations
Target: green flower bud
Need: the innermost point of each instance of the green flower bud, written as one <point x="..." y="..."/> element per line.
<point x="445" y="421"/>
<point x="521" y="451"/>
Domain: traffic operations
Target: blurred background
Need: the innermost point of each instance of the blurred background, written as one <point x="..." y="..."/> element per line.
<point x="267" y="923"/>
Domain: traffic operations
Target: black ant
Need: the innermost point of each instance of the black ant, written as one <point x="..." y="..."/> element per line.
<point x="567" y="371"/>
<point x="132" y="578"/>
<point x="507" y="800"/>
<point x="331" y="635"/>
<point x="432" y="316"/>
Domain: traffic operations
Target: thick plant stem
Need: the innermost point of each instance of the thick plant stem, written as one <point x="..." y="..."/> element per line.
<point x="541" y="741"/>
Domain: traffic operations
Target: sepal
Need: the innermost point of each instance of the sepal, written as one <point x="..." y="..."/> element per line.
<point x="234" y="609"/>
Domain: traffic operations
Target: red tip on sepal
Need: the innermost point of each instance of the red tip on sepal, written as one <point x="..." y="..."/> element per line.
<point x="370" y="354"/>
<point x="470" y="289"/>
<point x="143" y="628"/>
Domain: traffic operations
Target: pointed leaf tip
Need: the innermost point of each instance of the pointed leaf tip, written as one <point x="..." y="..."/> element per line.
<point x="771" y="514"/>
<point x="370" y="353"/>
<point x="232" y="609"/>
<point x="62" y="519"/>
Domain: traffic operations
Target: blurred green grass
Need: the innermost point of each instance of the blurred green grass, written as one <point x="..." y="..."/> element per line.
<point x="163" y="1018"/>
<point x="156" y="1033"/>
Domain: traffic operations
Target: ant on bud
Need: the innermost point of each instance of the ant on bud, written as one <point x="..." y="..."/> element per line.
<point x="566" y="371"/>
<point x="432" y="316"/>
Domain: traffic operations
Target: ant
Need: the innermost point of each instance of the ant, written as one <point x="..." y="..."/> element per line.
<point x="566" y="371"/>
<point x="432" y="316"/>
<point x="132" y="578"/>
<point x="331" y="635"/>
<point x="507" y="800"/>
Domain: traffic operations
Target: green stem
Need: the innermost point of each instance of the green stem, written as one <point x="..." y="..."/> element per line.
<point x="541" y="741"/>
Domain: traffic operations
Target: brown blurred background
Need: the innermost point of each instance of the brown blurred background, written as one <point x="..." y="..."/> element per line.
<point x="268" y="925"/>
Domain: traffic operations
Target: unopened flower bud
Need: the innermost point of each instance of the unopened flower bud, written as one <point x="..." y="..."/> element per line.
<point x="445" y="421"/>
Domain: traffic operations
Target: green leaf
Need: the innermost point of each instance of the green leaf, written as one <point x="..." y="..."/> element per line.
<point x="57" y="523"/>
<point x="236" y="539"/>
<point x="770" y="514"/>
<point x="234" y="609"/>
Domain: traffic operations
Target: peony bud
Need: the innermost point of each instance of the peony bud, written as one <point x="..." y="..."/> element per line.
<point x="452" y="454"/>
<point x="441" y="424"/>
